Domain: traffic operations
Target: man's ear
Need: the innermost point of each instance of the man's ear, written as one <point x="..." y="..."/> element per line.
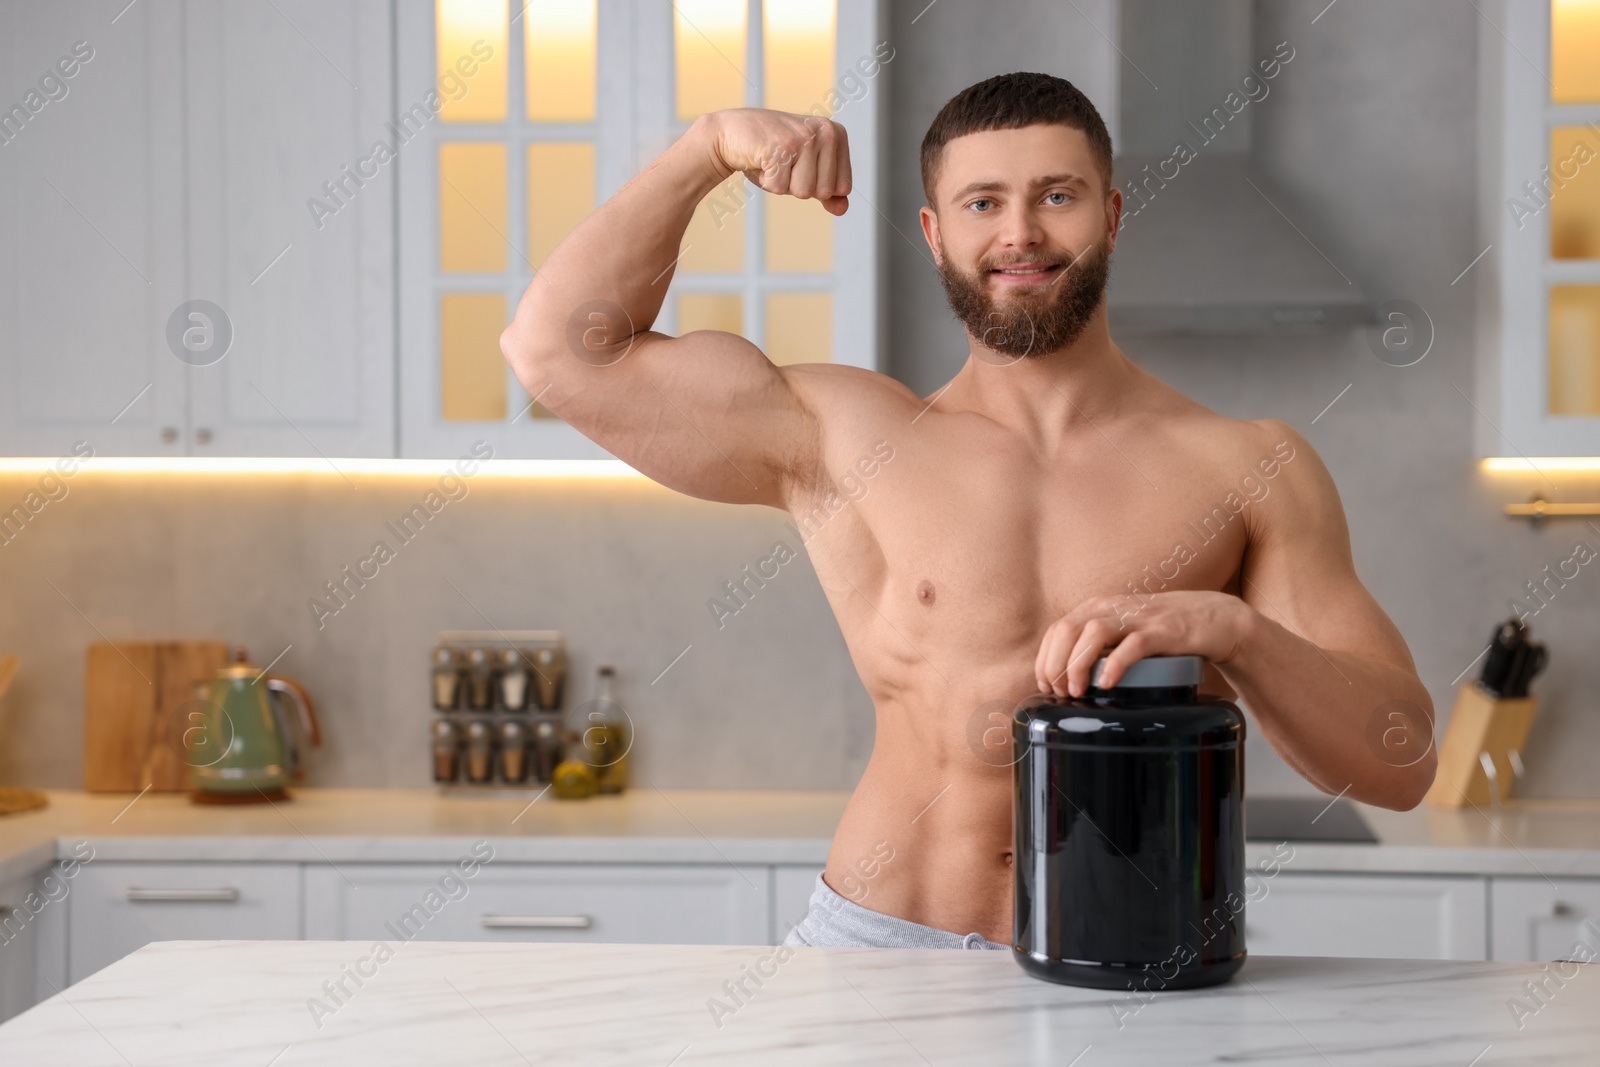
<point x="1113" y="218"/>
<point x="930" y="230"/>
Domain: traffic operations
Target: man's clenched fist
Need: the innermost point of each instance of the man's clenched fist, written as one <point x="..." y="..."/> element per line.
<point x="804" y="156"/>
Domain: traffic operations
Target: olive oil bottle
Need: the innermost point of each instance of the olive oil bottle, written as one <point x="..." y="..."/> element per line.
<point x="606" y="736"/>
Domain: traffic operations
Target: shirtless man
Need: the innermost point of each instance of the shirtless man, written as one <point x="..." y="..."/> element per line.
<point x="1051" y="502"/>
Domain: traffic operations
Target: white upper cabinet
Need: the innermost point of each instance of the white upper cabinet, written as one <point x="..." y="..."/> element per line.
<point x="165" y="287"/>
<point x="290" y="198"/>
<point x="91" y="227"/>
<point x="546" y="109"/>
<point x="1538" y="279"/>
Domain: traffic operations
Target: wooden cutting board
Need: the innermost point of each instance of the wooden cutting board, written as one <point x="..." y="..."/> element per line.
<point x="8" y="671"/>
<point x="136" y="699"/>
<point x="14" y="799"/>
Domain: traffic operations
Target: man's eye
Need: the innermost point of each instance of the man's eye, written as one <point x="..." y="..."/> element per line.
<point x="1064" y="197"/>
<point x="975" y="203"/>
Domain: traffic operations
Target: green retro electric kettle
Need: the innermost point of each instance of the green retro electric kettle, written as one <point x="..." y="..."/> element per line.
<point x="240" y="745"/>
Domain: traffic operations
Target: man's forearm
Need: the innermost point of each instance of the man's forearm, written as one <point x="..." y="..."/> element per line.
<point x="624" y="251"/>
<point x="1349" y="723"/>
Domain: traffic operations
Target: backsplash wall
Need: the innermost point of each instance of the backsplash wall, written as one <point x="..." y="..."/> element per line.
<point x="1374" y="126"/>
<point x="625" y="568"/>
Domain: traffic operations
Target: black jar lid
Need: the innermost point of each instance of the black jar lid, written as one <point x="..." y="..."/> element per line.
<point x="1099" y="720"/>
<point x="1154" y="672"/>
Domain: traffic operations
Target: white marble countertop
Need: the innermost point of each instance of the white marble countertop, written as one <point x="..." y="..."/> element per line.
<point x="645" y="825"/>
<point x="435" y="1003"/>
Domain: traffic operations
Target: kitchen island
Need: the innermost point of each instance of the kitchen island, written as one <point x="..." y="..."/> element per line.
<point x="91" y="878"/>
<point x="432" y="1003"/>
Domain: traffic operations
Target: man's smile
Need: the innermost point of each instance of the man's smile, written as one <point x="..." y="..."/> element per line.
<point x="1025" y="273"/>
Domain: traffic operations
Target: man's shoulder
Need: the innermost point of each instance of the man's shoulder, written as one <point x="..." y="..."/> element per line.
<point x="836" y="391"/>
<point x="1227" y="441"/>
<point x="1262" y="455"/>
<point x="849" y="408"/>
<point x="1272" y="436"/>
<point x="1280" y="472"/>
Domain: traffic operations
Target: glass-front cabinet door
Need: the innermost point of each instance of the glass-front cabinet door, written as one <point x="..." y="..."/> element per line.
<point x="519" y="118"/>
<point x="1539" y="298"/>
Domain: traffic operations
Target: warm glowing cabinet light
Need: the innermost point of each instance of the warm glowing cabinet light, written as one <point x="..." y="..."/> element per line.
<point x="469" y="30"/>
<point x="709" y="39"/>
<point x="1572" y="319"/>
<point x="559" y="46"/>
<point x="1575" y="51"/>
<point x="797" y="38"/>
<point x="472" y="207"/>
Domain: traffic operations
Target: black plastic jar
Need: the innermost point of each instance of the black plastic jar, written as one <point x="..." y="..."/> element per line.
<point x="1129" y="825"/>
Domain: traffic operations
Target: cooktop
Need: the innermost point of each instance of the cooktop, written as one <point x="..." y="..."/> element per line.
<point x="1305" y="819"/>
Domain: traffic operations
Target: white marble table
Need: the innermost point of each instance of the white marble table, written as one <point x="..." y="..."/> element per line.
<point x="247" y="1003"/>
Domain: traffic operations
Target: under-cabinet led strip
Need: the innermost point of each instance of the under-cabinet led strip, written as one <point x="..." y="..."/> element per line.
<point x="333" y="468"/>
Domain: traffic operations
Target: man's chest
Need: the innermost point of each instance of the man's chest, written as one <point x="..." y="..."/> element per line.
<point x="998" y="546"/>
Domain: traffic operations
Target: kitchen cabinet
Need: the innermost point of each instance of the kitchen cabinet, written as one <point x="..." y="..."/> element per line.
<point x="181" y="165"/>
<point x="19" y="947"/>
<point x="791" y="898"/>
<point x="118" y="907"/>
<point x="1538" y="275"/>
<point x="1308" y="914"/>
<point x="1369" y="915"/>
<point x="115" y="906"/>
<point x="1535" y="919"/>
<point x="91" y="238"/>
<point x="646" y="904"/>
<point x="290" y="223"/>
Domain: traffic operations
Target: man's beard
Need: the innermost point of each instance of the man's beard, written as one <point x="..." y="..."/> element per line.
<point x="1030" y="321"/>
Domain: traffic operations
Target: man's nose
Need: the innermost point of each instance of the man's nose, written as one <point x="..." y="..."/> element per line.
<point x="1022" y="229"/>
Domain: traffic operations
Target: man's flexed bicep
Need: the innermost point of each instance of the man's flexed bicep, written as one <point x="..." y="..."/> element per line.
<point x="707" y="413"/>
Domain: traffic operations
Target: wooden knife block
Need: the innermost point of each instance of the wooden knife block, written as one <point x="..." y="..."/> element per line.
<point x="135" y="698"/>
<point x="1480" y="723"/>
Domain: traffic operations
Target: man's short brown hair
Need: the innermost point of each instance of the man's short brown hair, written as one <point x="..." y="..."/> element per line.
<point x="1010" y="102"/>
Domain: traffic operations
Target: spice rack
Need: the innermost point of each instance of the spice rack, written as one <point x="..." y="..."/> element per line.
<point x="497" y="698"/>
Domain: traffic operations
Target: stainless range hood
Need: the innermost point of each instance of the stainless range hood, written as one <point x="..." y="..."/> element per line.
<point x="1208" y="245"/>
<point x="1211" y="251"/>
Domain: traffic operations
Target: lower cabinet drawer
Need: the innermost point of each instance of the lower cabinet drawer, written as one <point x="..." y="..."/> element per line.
<point x="791" y="898"/>
<point x="1392" y="916"/>
<point x="1536" y="919"/>
<point x="19" y="944"/>
<point x="119" y="907"/>
<point x="666" y="904"/>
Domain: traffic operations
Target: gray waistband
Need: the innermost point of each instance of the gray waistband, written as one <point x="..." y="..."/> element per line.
<point x="835" y="922"/>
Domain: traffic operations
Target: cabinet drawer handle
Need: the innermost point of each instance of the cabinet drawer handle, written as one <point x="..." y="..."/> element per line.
<point x="537" y="922"/>
<point x="183" y="896"/>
